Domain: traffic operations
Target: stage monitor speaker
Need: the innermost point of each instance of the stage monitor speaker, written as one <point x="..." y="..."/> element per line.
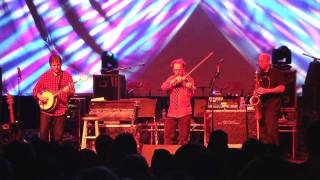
<point x="232" y="122"/>
<point x="289" y="99"/>
<point x="109" y="86"/>
<point x="148" y="150"/>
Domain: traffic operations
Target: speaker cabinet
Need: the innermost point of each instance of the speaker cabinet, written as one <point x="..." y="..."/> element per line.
<point x="77" y="108"/>
<point x="233" y="122"/>
<point x="109" y="86"/>
<point x="289" y="99"/>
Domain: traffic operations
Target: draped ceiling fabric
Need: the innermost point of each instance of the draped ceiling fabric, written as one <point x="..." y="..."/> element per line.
<point x="153" y="33"/>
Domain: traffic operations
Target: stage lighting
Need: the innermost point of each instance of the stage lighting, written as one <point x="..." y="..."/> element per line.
<point x="281" y="56"/>
<point x="109" y="63"/>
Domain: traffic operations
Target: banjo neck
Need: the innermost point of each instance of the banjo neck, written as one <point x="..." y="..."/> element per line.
<point x="69" y="85"/>
<point x="51" y="97"/>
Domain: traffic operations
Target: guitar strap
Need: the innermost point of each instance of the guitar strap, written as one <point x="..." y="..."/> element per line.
<point x="59" y="84"/>
<point x="59" y="87"/>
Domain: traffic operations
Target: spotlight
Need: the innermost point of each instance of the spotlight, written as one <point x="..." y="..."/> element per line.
<point x="109" y="63"/>
<point x="281" y="57"/>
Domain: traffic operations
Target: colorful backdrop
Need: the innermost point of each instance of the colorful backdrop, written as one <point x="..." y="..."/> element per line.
<point x="154" y="33"/>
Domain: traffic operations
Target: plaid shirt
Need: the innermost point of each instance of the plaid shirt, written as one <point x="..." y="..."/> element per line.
<point x="180" y="98"/>
<point x="49" y="82"/>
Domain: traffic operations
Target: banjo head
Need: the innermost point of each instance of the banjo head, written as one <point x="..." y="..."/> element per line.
<point x="50" y="104"/>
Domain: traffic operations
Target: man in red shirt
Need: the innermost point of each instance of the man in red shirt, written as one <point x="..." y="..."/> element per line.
<point x="181" y="89"/>
<point x="60" y="84"/>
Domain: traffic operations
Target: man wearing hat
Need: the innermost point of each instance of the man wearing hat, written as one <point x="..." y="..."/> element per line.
<point x="181" y="89"/>
<point x="270" y="89"/>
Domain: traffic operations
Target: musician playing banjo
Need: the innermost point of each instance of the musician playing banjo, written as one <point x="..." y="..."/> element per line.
<point x="52" y="91"/>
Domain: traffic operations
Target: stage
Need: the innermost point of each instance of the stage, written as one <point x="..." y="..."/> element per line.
<point x="151" y="126"/>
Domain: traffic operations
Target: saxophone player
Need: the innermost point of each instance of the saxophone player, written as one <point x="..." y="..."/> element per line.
<point x="270" y="90"/>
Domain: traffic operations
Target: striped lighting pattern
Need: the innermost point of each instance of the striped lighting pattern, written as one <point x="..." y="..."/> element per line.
<point x="80" y="31"/>
<point x="254" y="26"/>
<point x="134" y="30"/>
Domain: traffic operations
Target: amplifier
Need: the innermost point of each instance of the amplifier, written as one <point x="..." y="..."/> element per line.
<point x="221" y="103"/>
<point x="238" y="124"/>
<point x="223" y="106"/>
<point x="122" y="110"/>
<point x="109" y="86"/>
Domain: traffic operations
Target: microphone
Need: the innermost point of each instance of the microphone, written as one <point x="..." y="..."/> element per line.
<point x="218" y="70"/>
<point x="218" y="67"/>
<point x="19" y="72"/>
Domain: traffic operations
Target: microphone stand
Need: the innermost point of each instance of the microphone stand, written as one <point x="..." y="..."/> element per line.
<point x="315" y="59"/>
<point x="19" y="98"/>
<point x="212" y="84"/>
<point x="125" y="68"/>
<point x="246" y="114"/>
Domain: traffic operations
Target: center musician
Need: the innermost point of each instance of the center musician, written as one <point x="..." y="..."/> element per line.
<point x="181" y="89"/>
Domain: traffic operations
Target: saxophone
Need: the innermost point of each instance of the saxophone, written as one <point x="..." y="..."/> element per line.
<point x="256" y="102"/>
<point x="255" y="98"/>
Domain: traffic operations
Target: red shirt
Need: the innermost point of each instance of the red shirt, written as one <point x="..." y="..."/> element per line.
<point x="180" y="98"/>
<point x="49" y="82"/>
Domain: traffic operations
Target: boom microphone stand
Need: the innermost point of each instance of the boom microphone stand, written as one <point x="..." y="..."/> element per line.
<point x="19" y="96"/>
<point x="212" y="92"/>
<point x="246" y="102"/>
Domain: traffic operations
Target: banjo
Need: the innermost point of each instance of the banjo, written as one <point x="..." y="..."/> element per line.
<point x="52" y="97"/>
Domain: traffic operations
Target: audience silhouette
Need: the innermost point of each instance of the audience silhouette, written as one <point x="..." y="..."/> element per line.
<point x="119" y="158"/>
<point x="311" y="166"/>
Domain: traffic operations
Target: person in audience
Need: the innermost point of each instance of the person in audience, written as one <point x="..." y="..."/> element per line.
<point x="311" y="166"/>
<point x="103" y="145"/>
<point x="218" y="143"/>
<point x="270" y="167"/>
<point x="123" y="145"/>
<point x="162" y="162"/>
<point x="96" y="173"/>
<point x="181" y="88"/>
<point x="252" y="149"/>
<point x="134" y="167"/>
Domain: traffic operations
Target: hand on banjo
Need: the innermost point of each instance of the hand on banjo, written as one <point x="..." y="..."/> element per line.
<point x="66" y="89"/>
<point x="42" y="99"/>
